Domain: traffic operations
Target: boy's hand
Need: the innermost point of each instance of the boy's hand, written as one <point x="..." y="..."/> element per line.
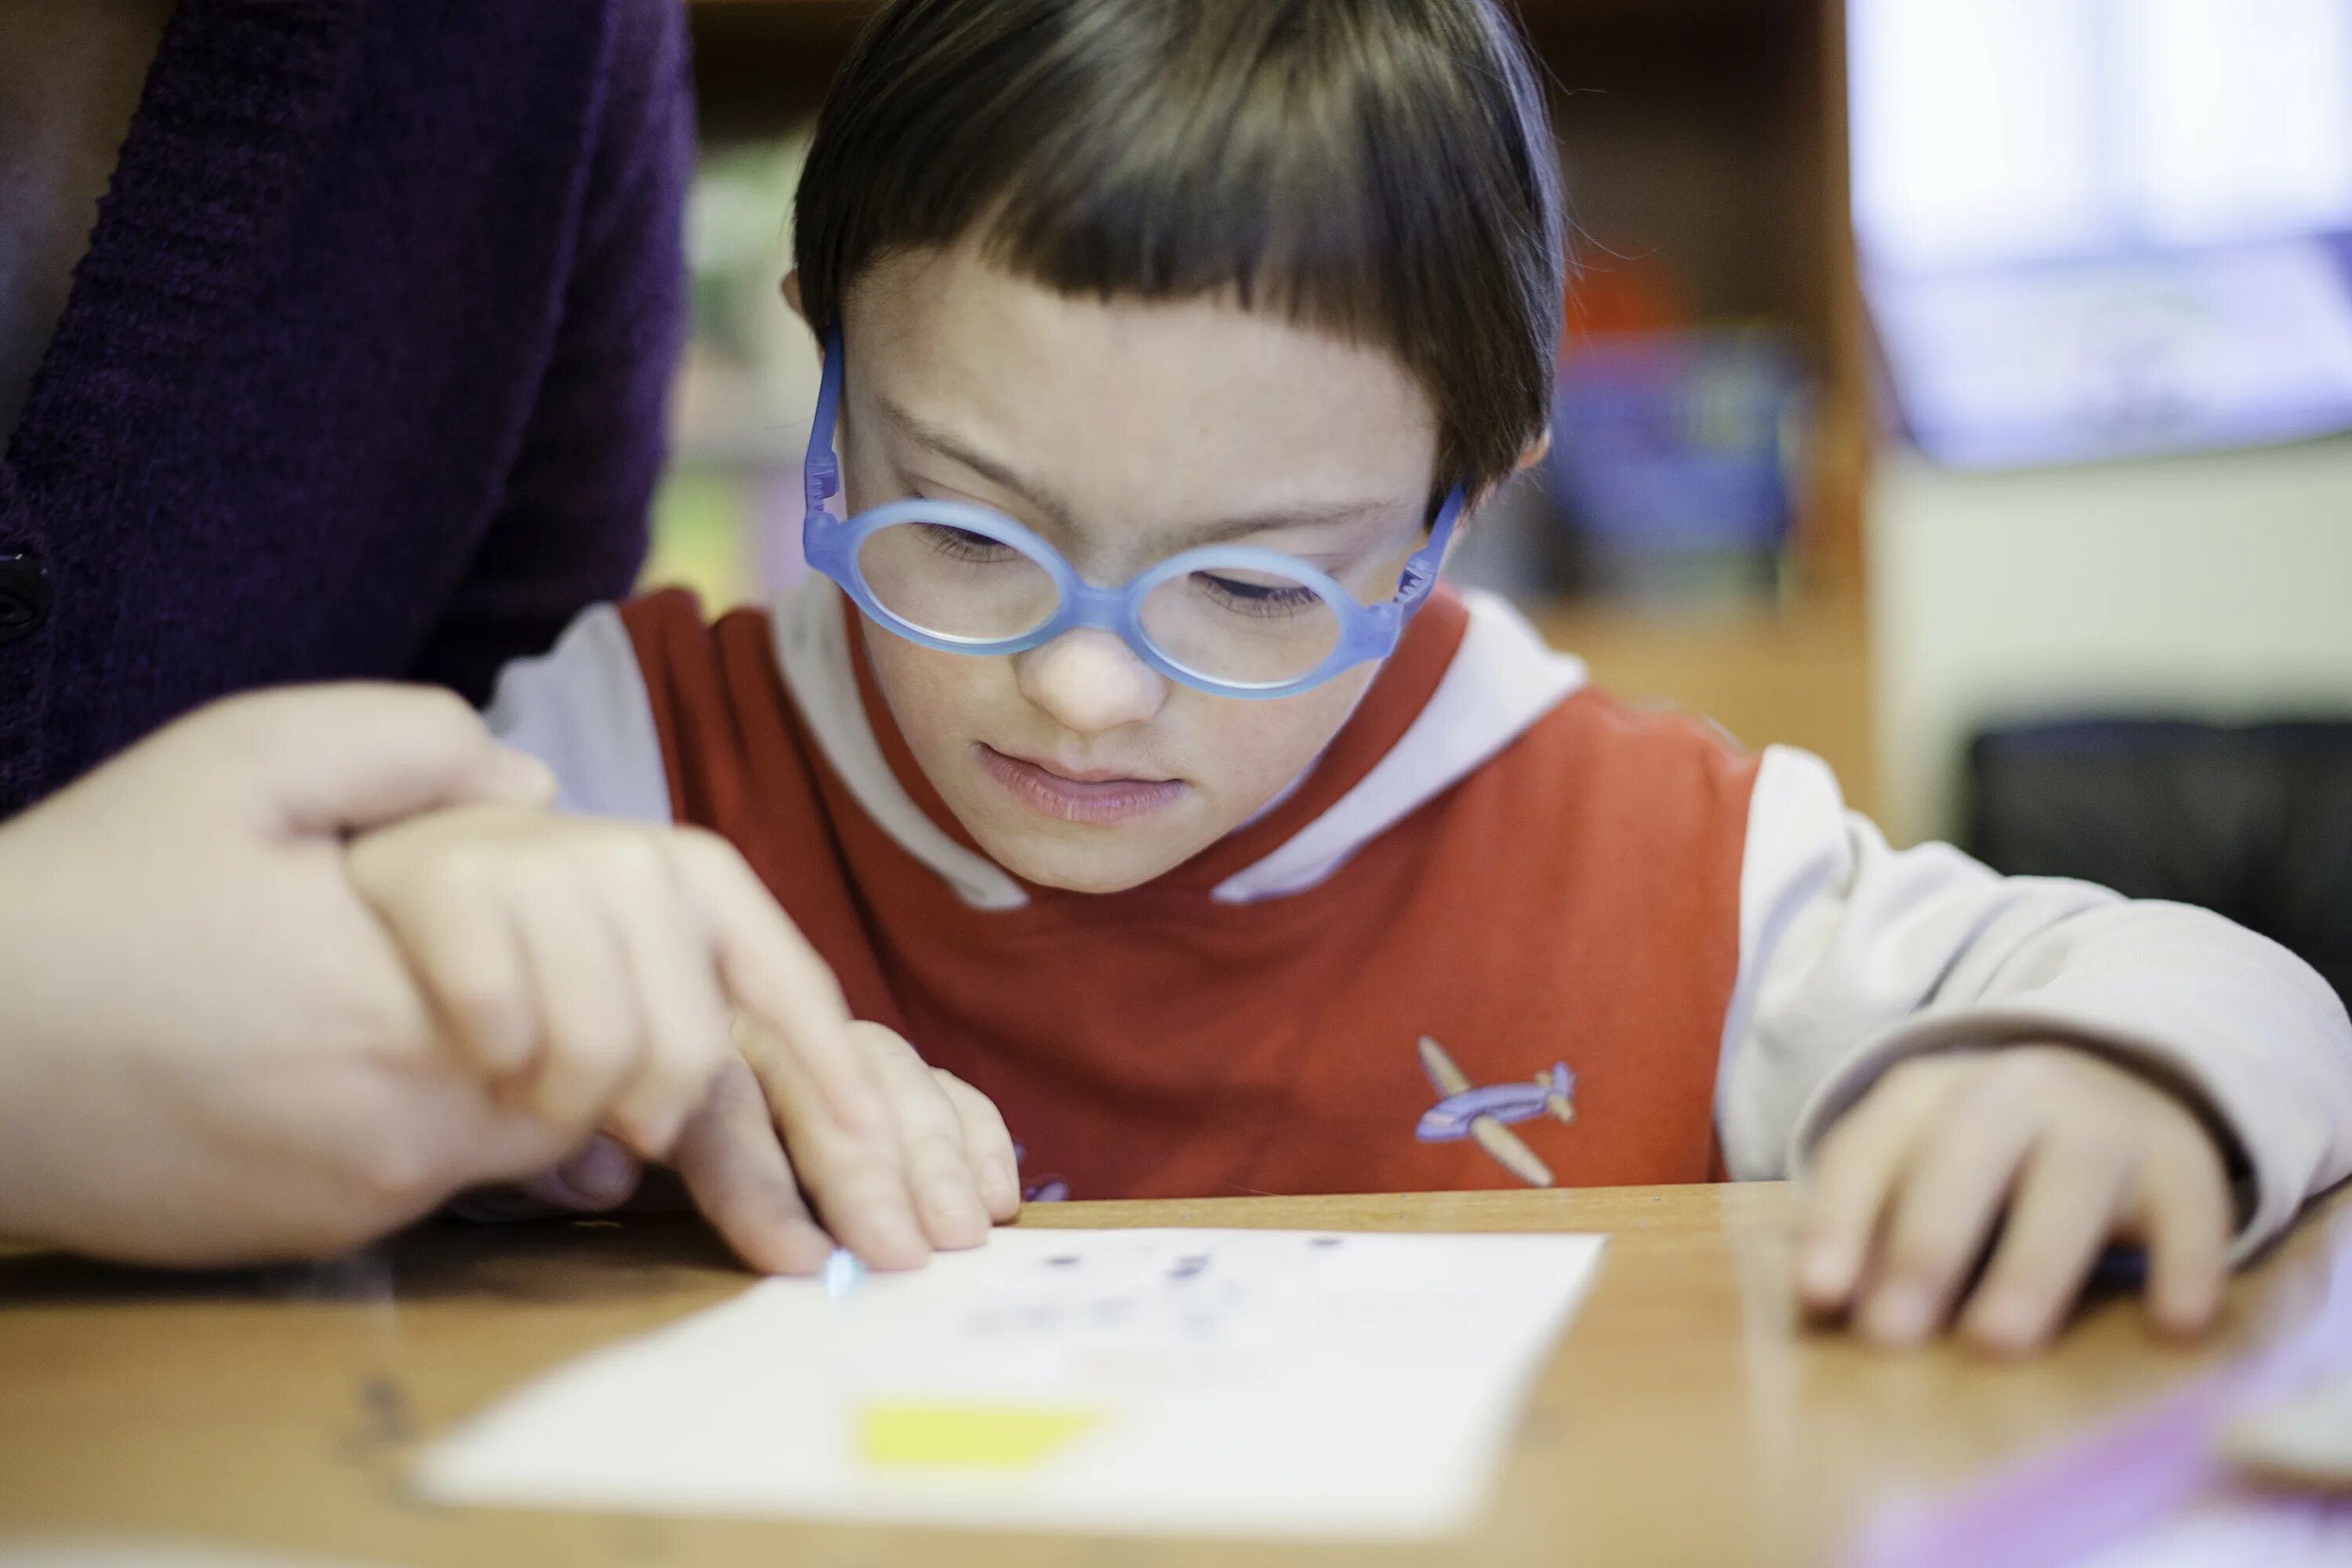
<point x="757" y="1147"/>
<point x="2063" y="1149"/>
<point x="604" y="973"/>
<point x="579" y="963"/>
<point x="754" y="1163"/>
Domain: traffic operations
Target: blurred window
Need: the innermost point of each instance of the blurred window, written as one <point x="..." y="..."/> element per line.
<point x="2100" y="227"/>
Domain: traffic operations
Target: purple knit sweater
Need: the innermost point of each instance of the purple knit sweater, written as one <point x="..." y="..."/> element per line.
<point x="364" y="372"/>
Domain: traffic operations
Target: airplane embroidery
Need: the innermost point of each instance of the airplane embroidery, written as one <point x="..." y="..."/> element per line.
<point x="1480" y="1114"/>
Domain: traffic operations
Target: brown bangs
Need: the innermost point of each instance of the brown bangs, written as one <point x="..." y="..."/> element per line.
<point x="1378" y="169"/>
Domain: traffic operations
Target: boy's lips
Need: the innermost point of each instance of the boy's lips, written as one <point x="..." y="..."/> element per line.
<point x="1092" y="796"/>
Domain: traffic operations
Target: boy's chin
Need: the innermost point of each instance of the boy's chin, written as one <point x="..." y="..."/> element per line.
<point x="1097" y="861"/>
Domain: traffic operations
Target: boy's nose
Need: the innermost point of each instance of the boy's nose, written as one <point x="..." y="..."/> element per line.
<point x="1090" y="682"/>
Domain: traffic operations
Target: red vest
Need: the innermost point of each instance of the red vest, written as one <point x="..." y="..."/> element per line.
<point x="1576" y="900"/>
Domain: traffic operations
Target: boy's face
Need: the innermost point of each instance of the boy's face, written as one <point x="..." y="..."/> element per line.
<point x="1122" y="433"/>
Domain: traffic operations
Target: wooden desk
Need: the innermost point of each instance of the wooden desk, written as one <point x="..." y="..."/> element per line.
<point x="1686" y="1419"/>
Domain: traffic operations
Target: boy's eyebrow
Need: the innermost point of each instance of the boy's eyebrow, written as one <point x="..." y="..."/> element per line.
<point x="924" y="433"/>
<point x="1305" y="515"/>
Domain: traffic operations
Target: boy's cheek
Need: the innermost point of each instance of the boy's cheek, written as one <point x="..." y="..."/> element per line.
<point x="1236" y="755"/>
<point x="918" y="684"/>
<point x="942" y="703"/>
<point x="1258" y="748"/>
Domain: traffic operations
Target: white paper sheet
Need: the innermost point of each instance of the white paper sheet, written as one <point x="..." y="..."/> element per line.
<point x="1162" y="1381"/>
<point x="95" y="1552"/>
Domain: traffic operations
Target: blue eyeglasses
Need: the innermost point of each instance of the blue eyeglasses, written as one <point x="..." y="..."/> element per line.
<point x="1229" y="620"/>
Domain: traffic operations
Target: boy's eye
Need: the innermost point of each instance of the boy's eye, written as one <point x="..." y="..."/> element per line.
<point x="1259" y="596"/>
<point x="962" y="544"/>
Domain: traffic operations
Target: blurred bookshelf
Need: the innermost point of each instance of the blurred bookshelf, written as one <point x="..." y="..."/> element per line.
<point x="1698" y="535"/>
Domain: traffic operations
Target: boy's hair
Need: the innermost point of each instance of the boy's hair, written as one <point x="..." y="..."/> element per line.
<point x="1380" y="169"/>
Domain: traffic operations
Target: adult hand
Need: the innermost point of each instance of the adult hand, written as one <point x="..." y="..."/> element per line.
<point x="210" y="1049"/>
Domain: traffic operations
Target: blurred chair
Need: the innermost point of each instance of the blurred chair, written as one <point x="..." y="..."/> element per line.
<point x="2251" y="822"/>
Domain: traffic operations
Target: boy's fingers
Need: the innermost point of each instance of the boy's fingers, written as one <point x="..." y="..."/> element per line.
<point x="506" y="1205"/>
<point x="467" y="959"/>
<point x="688" y="1028"/>
<point x="775" y="977"/>
<point x="729" y="1160"/>
<point x="2185" y="1217"/>
<point x="1854" y="1173"/>
<point x="988" y="1145"/>
<point x="599" y="1175"/>
<point x="2064" y="1211"/>
<point x="938" y="1175"/>
<point x="602" y="1175"/>
<point x="1950" y="1196"/>
<point x="855" y="1178"/>
<point x="587" y="1003"/>
<point x="472" y="967"/>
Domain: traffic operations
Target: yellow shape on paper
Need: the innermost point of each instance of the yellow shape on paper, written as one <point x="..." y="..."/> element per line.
<point x="966" y="1436"/>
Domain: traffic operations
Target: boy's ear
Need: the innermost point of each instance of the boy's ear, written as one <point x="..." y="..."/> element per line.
<point x="1534" y="452"/>
<point x="793" y="296"/>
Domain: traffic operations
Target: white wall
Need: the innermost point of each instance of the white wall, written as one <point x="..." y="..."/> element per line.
<point x="2214" y="586"/>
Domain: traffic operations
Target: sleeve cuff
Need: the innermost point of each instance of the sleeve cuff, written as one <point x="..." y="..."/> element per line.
<point x="2267" y="1201"/>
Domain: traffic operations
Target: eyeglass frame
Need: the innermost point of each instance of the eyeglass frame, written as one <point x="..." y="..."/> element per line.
<point x="832" y="544"/>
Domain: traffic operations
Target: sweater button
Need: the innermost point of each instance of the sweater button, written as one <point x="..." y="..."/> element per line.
<point x="24" y="597"/>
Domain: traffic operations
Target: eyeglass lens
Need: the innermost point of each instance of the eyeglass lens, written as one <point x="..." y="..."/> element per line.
<point x="1252" y="627"/>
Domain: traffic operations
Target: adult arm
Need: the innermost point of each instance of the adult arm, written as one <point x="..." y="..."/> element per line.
<point x="572" y="530"/>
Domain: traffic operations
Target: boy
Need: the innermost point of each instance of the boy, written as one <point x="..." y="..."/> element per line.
<point x="1124" y="758"/>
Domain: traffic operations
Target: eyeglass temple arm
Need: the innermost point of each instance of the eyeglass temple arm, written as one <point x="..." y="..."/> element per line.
<point x="1421" y="572"/>
<point x="821" y="470"/>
